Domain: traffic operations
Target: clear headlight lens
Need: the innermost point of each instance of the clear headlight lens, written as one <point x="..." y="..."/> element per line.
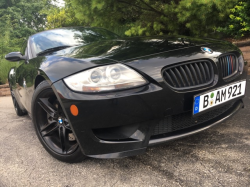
<point x="105" y="78"/>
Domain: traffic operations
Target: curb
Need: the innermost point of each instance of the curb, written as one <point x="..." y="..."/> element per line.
<point x="4" y="90"/>
<point x="4" y="86"/>
<point x="242" y="43"/>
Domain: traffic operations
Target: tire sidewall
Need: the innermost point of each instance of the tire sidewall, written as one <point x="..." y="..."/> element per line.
<point x="17" y="108"/>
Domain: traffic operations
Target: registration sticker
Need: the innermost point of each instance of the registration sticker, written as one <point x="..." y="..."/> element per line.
<point x="218" y="96"/>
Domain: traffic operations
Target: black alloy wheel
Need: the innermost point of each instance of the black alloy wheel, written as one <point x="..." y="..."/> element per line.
<point x="52" y="126"/>
<point x="18" y="110"/>
<point x="15" y="103"/>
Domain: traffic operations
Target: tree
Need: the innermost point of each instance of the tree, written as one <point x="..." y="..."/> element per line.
<point x="238" y="24"/>
<point x="18" y="20"/>
<point x="61" y="17"/>
<point x="21" y="18"/>
<point x="5" y="41"/>
<point x="152" y="17"/>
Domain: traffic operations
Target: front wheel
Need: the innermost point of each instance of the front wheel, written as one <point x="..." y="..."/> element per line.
<point x="52" y="126"/>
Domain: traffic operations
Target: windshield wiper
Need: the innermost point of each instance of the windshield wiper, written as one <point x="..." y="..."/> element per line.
<point x="52" y="49"/>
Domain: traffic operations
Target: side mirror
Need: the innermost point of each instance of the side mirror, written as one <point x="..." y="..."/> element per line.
<point x="15" y="56"/>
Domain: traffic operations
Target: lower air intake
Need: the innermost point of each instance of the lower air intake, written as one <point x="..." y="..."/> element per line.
<point x="186" y="120"/>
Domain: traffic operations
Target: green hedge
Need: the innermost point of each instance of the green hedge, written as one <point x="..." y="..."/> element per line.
<point x="238" y="24"/>
<point x="4" y="70"/>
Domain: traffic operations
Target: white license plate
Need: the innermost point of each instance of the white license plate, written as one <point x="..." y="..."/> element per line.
<point x="218" y="96"/>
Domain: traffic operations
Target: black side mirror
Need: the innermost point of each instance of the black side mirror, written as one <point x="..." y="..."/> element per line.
<point x="15" y="56"/>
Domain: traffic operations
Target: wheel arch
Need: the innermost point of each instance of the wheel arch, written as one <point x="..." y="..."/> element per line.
<point x="40" y="78"/>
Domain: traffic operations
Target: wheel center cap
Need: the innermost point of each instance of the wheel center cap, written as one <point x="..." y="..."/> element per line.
<point x="60" y="121"/>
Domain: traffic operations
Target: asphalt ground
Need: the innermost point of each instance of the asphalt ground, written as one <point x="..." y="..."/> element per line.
<point x="219" y="156"/>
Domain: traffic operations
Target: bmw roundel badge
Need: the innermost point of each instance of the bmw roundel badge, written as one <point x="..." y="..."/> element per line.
<point x="60" y="121"/>
<point x="207" y="50"/>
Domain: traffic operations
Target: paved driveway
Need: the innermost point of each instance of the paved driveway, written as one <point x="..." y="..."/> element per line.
<point x="219" y="156"/>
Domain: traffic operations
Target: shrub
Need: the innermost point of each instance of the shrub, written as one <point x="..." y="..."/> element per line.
<point x="238" y="24"/>
<point x="4" y="70"/>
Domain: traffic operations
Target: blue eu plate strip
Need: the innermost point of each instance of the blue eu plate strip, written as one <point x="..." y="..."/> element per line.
<point x="196" y="104"/>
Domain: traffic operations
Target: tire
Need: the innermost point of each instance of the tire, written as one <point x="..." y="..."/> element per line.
<point x="18" y="110"/>
<point x="52" y="127"/>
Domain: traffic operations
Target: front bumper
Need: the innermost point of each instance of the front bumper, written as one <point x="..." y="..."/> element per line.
<point x="121" y="124"/>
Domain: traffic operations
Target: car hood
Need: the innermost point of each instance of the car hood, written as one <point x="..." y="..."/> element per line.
<point x="131" y="48"/>
<point x="146" y="54"/>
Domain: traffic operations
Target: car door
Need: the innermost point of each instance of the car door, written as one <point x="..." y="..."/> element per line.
<point x="19" y="78"/>
<point x="24" y="78"/>
<point x="26" y="75"/>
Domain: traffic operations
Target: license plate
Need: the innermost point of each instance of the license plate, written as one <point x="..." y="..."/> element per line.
<point x="218" y="96"/>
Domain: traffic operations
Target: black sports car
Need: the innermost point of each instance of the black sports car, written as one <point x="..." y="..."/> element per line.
<point x="92" y="93"/>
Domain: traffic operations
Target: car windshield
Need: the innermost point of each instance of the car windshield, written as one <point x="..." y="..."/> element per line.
<point x="68" y="37"/>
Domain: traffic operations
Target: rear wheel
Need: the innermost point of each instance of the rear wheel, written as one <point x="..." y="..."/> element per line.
<point x="52" y="126"/>
<point x="18" y="110"/>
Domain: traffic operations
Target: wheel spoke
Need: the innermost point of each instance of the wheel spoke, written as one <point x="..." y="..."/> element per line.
<point x="50" y="131"/>
<point x="73" y="147"/>
<point x="67" y="126"/>
<point x="63" y="139"/>
<point x="48" y="125"/>
<point x="48" y="107"/>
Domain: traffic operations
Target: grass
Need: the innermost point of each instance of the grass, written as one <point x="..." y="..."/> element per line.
<point x="4" y="70"/>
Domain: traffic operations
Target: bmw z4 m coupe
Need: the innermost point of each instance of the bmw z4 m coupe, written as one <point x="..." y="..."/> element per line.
<point x="92" y="93"/>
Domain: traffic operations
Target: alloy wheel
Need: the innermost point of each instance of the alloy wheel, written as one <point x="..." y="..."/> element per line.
<point x="53" y="125"/>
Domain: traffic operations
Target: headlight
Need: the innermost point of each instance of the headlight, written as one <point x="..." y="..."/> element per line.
<point x="105" y="78"/>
